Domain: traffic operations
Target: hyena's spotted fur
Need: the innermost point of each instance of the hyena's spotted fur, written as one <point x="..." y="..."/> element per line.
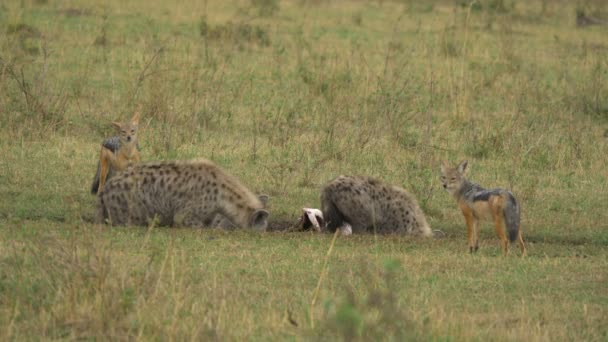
<point x="179" y="193"/>
<point x="369" y="205"/>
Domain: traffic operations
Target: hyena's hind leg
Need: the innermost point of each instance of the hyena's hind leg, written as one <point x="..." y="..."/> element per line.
<point x="193" y="216"/>
<point x="102" y="212"/>
<point x="112" y="211"/>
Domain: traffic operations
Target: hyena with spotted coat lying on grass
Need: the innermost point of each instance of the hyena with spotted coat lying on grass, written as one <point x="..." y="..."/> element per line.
<point x="365" y="204"/>
<point x="179" y="193"/>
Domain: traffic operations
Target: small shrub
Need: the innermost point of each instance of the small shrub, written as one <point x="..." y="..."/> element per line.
<point x="102" y="39"/>
<point x="375" y="315"/>
<point x="265" y="8"/>
<point x="34" y="99"/>
<point x="203" y="26"/>
<point x="358" y="19"/>
<point x="238" y="33"/>
<point x="450" y="47"/>
<point x="23" y="30"/>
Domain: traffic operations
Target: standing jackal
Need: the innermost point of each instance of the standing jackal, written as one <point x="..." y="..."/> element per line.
<point x="179" y="193"/>
<point x="477" y="203"/>
<point x="117" y="152"/>
<point x="365" y="204"/>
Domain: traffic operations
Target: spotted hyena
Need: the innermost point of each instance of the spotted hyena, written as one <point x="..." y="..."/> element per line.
<point x="195" y="193"/>
<point x="365" y="204"/>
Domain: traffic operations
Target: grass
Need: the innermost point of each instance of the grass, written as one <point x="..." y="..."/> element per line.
<point x="287" y="95"/>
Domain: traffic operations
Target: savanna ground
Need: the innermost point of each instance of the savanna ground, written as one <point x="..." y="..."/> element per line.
<point x="287" y="95"/>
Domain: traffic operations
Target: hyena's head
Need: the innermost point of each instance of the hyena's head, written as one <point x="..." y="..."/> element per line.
<point x="127" y="131"/>
<point x="259" y="219"/>
<point x="453" y="178"/>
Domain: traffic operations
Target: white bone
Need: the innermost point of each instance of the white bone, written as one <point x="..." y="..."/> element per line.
<point x="312" y="215"/>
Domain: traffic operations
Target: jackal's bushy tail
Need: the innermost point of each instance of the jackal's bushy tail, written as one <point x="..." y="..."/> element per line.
<point x="512" y="217"/>
<point x="112" y="144"/>
<point x="95" y="184"/>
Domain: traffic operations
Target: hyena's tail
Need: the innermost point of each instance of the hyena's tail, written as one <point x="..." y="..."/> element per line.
<point x="95" y="184"/>
<point x="512" y="217"/>
<point x="331" y="215"/>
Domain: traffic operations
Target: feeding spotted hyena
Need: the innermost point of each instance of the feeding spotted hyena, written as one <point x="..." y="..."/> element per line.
<point x="365" y="204"/>
<point x="179" y="193"/>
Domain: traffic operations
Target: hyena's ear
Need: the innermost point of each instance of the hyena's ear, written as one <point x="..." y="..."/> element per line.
<point x="462" y="167"/>
<point x="264" y="200"/>
<point x="259" y="219"/>
<point x="117" y="125"/>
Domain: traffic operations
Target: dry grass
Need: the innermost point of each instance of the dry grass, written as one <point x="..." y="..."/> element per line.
<point x="287" y="97"/>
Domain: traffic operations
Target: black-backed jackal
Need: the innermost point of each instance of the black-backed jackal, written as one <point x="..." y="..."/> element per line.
<point x="117" y="152"/>
<point x="477" y="203"/>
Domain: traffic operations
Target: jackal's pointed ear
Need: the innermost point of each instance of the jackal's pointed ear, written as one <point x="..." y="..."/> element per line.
<point x="462" y="167"/>
<point x="117" y="125"/>
<point x="444" y="166"/>
<point x="135" y="118"/>
<point x="264" y="200"/>
<point x="259" y="219"/>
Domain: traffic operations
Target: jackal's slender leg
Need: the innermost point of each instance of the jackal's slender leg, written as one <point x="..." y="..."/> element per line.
<point x="136" y="158"/>
<point x="520" y="239"/>
<point x="499" y="222"/>
<point x="476" y="231"/>
<point x="471" y="222"/>
<point x="105" y="161"/>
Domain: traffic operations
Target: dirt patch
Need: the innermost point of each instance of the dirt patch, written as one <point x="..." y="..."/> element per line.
<point x="283" y="226"/>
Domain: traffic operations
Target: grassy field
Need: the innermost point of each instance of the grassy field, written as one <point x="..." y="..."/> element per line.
<point x="287" y="95"/>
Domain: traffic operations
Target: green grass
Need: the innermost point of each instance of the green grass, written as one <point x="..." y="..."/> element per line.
<point x="286" y="101"/>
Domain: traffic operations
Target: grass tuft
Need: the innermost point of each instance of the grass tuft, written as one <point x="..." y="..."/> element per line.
<point x="287" y="95"/>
